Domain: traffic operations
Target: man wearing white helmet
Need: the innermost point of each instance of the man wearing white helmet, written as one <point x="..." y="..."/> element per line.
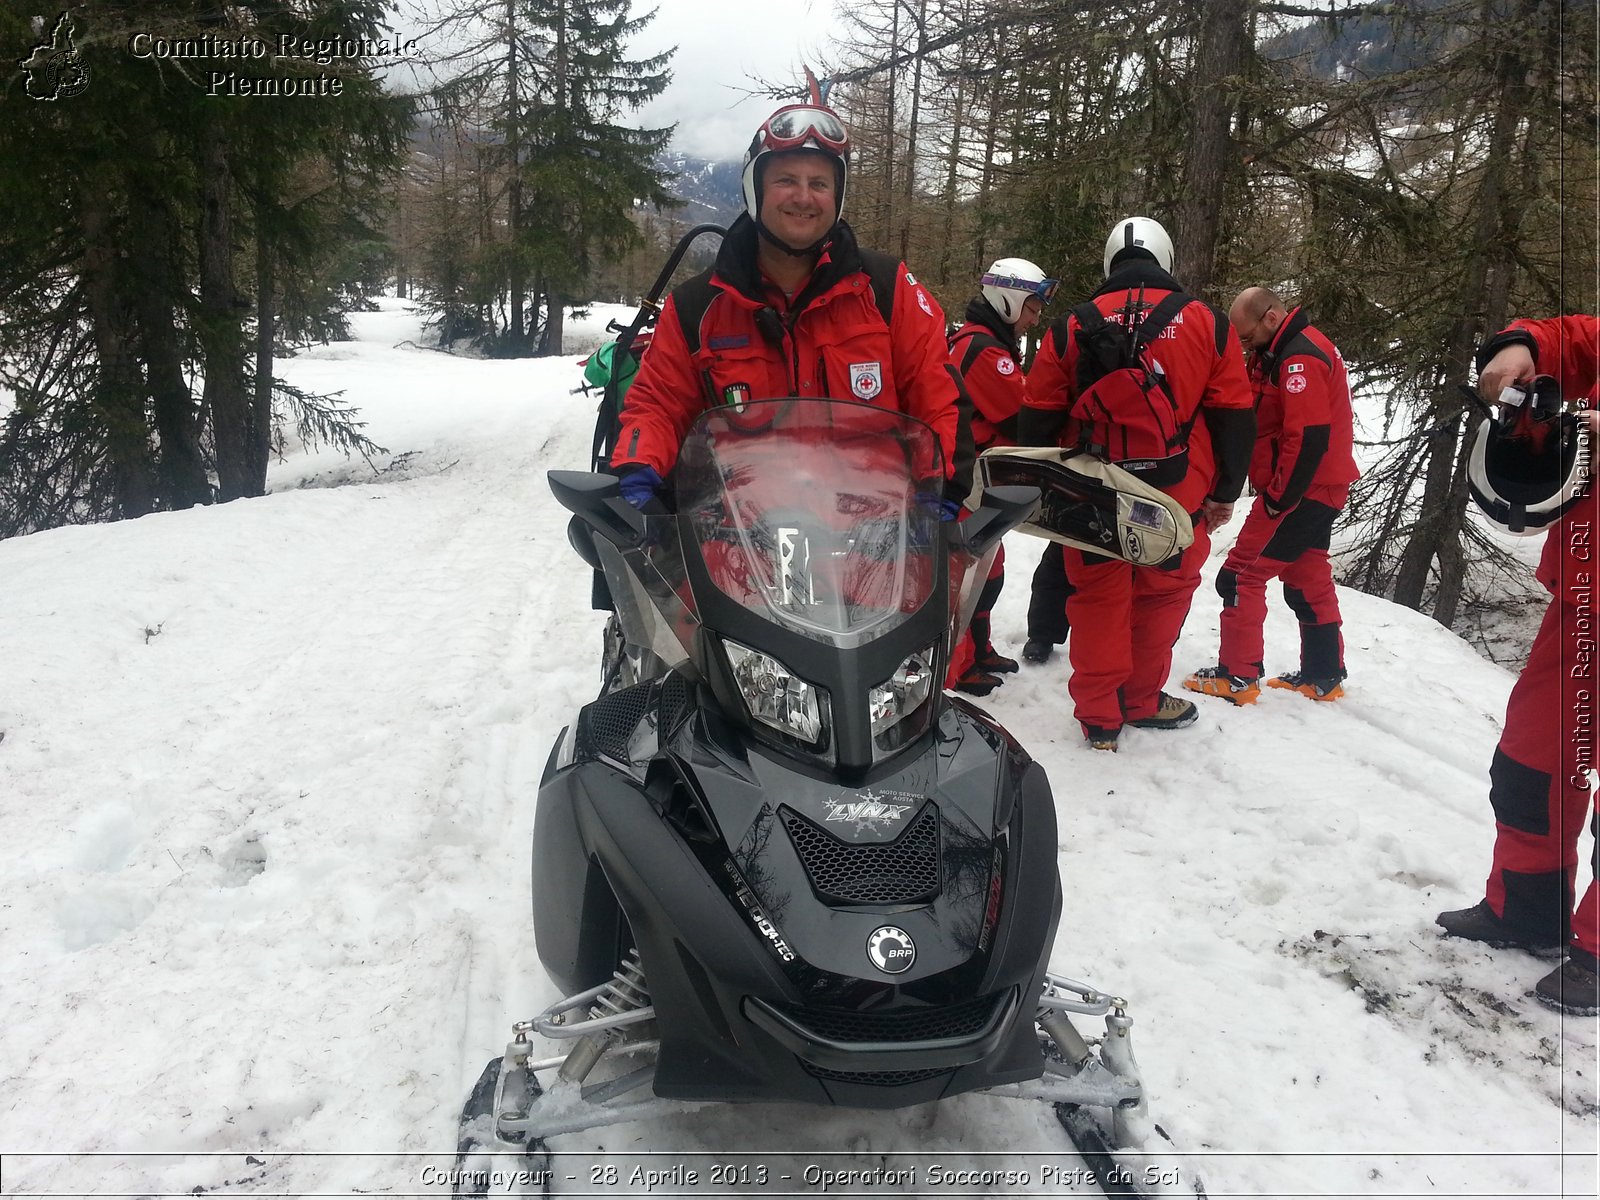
<point x="987" y="352"/>
<point x="792" y="307"/>
<point x="1125" y="618"/>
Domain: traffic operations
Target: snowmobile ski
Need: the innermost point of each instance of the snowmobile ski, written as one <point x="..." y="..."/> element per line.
<point x="1111" y="1176"/>
<point x="481" y="1144"/>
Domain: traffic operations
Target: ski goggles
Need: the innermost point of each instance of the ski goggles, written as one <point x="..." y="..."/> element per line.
<point x="1045" y="289"/>
<point x="793" y="126"/>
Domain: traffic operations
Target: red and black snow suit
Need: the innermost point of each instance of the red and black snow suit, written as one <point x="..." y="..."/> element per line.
<point x="1125" y="619"/>
<point x="986" y="354"/>
<point x="1539" y="786"/>
<point x="1302" y="469"/>
<point x="750" y="342"/>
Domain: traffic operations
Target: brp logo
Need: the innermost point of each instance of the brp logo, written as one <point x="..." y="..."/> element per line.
<point x="891" y="950"/>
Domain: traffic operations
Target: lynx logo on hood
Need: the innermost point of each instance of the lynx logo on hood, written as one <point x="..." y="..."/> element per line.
<point x="868" y="810"/>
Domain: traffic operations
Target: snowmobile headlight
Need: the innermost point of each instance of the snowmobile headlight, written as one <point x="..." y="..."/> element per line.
<point x="902" y="694"/>
<point x="776" y="696"/>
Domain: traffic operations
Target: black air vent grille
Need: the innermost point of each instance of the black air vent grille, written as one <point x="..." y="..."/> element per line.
<point x="903" y="871"/>
<point x="900" y="1025"/>
<point x="876" y="1078"/>
<point x="607" y="726"/>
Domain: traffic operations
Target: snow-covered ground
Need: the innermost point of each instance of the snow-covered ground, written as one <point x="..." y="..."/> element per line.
<point x="267" y="786"/>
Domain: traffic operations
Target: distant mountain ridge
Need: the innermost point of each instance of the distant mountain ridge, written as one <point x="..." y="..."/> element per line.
<point x="710" y="190"/>
<point x="1400" y="36"/>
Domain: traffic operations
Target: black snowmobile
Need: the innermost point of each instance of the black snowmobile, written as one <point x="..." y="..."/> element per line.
<point x="773" y="861"/>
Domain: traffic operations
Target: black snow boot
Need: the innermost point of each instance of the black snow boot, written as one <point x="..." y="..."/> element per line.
<point x="1573" y="987"/>
<point x="1479" y="924"/>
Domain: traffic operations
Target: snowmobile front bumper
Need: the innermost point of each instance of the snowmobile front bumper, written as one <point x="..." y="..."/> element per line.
<point x="525" y="1109"/>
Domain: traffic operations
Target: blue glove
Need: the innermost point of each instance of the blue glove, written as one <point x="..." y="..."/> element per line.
<point x="949" y="510"/>
<point x="641" y="486"/>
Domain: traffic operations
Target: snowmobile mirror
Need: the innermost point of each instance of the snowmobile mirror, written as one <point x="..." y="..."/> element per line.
<point x="597" y="501"/>
<point x="1000" y="510"/>
<point x="581" y="538"/>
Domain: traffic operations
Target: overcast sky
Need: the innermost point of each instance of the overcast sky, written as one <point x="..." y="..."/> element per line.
<point x="721" y="44"/>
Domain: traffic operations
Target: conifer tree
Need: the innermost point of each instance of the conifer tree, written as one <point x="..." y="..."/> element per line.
<point x="151" y="206"/>
<point x="548" y="84"/>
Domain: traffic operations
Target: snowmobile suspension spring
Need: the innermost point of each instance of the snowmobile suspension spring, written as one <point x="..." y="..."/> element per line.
<point x="627" y="990"/>
<point x="625" y="993"/>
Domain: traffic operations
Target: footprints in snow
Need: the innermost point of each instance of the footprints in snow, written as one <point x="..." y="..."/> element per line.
<point x="107" y="892"/>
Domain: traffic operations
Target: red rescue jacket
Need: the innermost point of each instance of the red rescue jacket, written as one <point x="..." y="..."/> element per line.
<point x="985" y="352"/>
<point x="1200" y="356"/>
<point x="756" y="344"/>
<point x="1305" y="440"/>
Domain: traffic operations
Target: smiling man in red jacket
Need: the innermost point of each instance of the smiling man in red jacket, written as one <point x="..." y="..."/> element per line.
<point x="1539" y="783"/>
<point x="1125" y="618"/>
<point x="1302" y="470"/>
<point x="792" y="307"/>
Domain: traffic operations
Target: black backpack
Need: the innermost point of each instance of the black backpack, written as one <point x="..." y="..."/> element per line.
<point x="1126" y="409"/>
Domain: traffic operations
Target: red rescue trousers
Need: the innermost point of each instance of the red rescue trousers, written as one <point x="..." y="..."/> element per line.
<point x="1538" y="782"/>
<point x="1292" y="546"/>
<point x="1124" y="621"/>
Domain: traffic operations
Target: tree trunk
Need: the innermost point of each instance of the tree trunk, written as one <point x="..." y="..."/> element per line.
<point x="554" y="325"/>
<point x="219" y="325"/>
<point x="911" y="133"/>
<point x="1219" y="58"/>
<point x="952" y="180"/>
<point x="259" y="434"/>
<point x="888" y="133"/>
<point x="1437" y="531"/>
<point x="119" y="392"/>
<point x="991" y="138"/>
<point x="516" y="281"/>
<point x="158" y="285"/>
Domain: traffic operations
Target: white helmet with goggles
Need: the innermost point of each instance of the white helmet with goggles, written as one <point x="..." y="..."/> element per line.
<point x="813" y="127"/>
<point x="1139" y="233"/>
<point x="1531" y="464"/>
<point x="1008" y="283"/>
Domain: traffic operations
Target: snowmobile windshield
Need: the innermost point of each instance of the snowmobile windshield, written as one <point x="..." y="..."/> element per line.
<point x="821" y="515"/>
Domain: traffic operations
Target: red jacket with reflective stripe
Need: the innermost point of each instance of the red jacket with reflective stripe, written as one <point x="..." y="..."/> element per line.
<point x="832" y="341"/>
<point x="1305" y="441"/>
<point x="994" y="380"/>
